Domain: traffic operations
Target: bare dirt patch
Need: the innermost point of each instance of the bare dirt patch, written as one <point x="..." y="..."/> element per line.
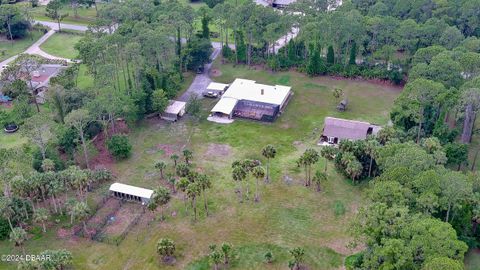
<point x="340" y="245"/>
<point x="168" y="149"/>
<point x="218" y="150"/>
<point x="215" y="72"/>
<point x="122" y="218"/>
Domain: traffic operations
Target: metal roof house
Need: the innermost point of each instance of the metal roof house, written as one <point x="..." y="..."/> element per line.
<point x="337" y="129"/>
<point x="248" y="99"/>
<point x="174" y="110"/>
<point x="131" y="193"/>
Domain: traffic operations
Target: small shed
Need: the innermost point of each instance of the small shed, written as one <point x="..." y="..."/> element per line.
<point x="174" y="110"/>
<point x="131" y="193"/>
<point x="337" y="129"/>
<point x="217" y="87"/>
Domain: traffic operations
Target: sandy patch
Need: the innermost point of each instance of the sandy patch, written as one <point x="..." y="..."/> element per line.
<point x="215" y="73"/>
<point x="218" y="150"/>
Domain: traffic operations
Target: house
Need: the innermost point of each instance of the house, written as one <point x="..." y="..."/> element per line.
<point x="41" y="79"/>
<point x="337" y="129"/>
<point x="131" y="193"/>
<point x="282" y="3"/>
<point x="174" y="110"/>
<point x="248" y="99"/>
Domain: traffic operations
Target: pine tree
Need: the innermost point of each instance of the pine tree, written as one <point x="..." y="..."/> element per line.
<point x="353" y="54"/>
<point x="330" y="55"/>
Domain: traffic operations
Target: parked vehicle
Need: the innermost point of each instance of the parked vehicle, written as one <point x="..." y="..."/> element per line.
<point x="210" y="94"/>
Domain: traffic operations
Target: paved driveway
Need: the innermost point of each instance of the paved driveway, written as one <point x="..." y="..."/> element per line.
<point x="201" y="81"/>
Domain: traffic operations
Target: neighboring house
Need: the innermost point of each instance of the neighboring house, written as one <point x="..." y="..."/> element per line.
<point x="174" y="110"/>
<point x="281" y="3"/>
<point x="337" y="129"/>
<point x="41" y="79"/>
<point x="248" y="99"/>
<point x="131" y="193"/>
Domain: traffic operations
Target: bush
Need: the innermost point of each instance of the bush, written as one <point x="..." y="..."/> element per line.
<point x="354" y="261"/>
<point x="4" y="229"/>
<point x="119" y="146"/>
<point x="338" y="208"/>
<point x="50" y="154"/>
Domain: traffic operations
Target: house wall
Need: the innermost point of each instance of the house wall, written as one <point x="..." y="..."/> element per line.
<point x="256" y="110"/>
<point x="129" y="197"/>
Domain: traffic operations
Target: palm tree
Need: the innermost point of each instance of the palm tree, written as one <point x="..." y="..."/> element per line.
<point x="216" y="258"/>
<point x="328" y="152"/>
<point x="80" y="212"/>
<point x="204" y="183"/>
<point x="41" y="216"/>
<point x="6" y="210"/>
<point x="187" y="154"/>
<point x="298" y="255"/>
<point x="19" y="236"/>
<point x="354" y="169"/>
<point x="259" y="173"/>
<point x="182" y="185"/>
<point x="173" y="181"/>
<point x="183" y="170"/>
<point x="175" y="158"/>
<point x="48" y="165"/>
<point x="318" y="178"/>
<point x="371" y="148"/>
<point x="70" y="206"/>
<point x="269" y="152"/>
<point x="226" y="251"/>
<point x="160" y="165"/>
<point x="193" y="191"/>
<point x="166" y="248"/>
<point x="239" y="174"/>
<point x="161" y="196"/>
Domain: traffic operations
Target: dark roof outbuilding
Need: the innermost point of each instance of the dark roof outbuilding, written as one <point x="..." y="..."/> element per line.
<point x="346" y="129"/>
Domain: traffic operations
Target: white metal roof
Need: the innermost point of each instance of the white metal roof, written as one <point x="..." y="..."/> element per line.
<point x="217" y="86"/>
<point x="225" y="105"/>
<point x="132" y="190"/>
<point x="242" y="89"/>
<point x="175" y="107"/>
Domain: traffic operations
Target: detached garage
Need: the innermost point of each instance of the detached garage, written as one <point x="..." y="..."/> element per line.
<point x="131" y="193"/>
<point x="174" y="111"/>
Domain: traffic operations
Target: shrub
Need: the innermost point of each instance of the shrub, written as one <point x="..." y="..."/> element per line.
<point x="339" y="208"/>
<point x="354" y="261"/>
<point x="50" y="154"/>
<point x="4" y="229"/>
<point x="119" y="146"/>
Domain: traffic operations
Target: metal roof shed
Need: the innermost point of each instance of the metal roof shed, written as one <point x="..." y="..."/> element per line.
<point x="214" y="86"/>
<point x="131" y="193"/>
<point x="174" y="110"/>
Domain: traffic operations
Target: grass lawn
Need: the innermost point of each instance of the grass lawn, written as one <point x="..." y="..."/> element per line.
<point x="62" y="45"/>
<point x="85" y="15"/>
<point x="472" y="260"/>
<point x="8" y="49"/>
<point x="288" y="214"/>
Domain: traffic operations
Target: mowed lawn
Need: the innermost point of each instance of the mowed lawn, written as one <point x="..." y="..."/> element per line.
<point x="62" y="45"/>
<point x="84" y="16"/>
<point x="9" y="49"/>
<point x="288" y="214"/>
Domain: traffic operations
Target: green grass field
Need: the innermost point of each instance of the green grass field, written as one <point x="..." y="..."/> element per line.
<point x="84" y="15"/>
<point x="9" y="49"/>
<point x="288" y="214"/>
<point x="62" y="45"/>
